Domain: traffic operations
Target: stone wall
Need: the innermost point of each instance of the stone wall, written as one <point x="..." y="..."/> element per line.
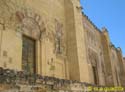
<point x="58" y="35"/>
<point x="121" y="66"/>
<point x="107" y="57"/>
<point x="115" y="66"/>
<point x="94" y="50"/>
<point x="49" y="19"/>
<point x="68" y="45"/>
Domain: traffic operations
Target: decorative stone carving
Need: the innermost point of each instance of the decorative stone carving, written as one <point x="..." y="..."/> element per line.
<point x="30" y="28"/>
<point x="18" y="16"/>
<point x="7" y="12"/>
<point x="58" y="37"/>
<point x="30" y="24"/>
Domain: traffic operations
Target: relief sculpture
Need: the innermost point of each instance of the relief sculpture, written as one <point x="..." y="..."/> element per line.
<point x="58" y="37"/>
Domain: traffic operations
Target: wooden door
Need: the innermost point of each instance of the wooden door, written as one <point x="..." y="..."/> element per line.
<point x="28" y="55"/>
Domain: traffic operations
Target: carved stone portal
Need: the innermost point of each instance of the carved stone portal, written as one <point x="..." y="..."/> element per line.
<point x="30" y="24"/>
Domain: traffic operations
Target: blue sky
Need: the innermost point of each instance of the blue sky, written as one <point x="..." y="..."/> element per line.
<point x="109" y="14"/>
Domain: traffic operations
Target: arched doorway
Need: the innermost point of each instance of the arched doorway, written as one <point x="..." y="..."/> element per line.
<point x="31" y="28"/>
<point x="93" y="59"/>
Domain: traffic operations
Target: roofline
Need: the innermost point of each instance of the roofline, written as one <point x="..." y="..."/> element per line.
<point x="91" y="22"/>
<point x="111" y="44"/>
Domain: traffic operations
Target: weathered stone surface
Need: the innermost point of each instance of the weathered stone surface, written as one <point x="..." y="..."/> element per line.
<point x="67" y="44"/>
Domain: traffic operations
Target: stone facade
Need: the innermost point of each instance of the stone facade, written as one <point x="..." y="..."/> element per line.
<point x="94" y="51"/>
<point x="104" y="58"/>
<point x="67" y="44"/>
